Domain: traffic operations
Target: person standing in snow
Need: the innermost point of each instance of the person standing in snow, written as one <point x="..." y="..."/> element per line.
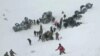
<point x="62" y="12"/>
<point x="35" y="33"/>
<point x="61" y="21"/>
<point x="53" y="19"/>
<point x="12" y="53"/>
<point x="61" y="49"/>
<point x="54" y="29"/>
<point x="64" y="16"/>
<point x="6" y="54"/>
<point x="57" y="36"/>
<point x="29" y="40"/>
<point x="51" y="29"/>
<point x="41" y="30"/>
<point x="40" y="37"/>
<point x="34" y="22"/>
<point x="38" y="22"/>
<point x="58" y="26"/>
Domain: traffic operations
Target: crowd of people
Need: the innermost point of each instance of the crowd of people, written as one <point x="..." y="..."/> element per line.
<point x="47" y="17"/>
<point x="64" y="21"/>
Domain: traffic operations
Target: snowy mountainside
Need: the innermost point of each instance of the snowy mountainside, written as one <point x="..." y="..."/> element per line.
<point x="83" y="40"/>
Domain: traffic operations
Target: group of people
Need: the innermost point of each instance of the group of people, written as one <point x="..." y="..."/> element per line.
<point x="36" y="22"/>
<point x="12" y="53"/>
<point x="48" y="35"/>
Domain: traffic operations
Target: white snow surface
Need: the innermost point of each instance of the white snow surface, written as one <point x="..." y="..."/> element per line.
<point x="83" y="40"/>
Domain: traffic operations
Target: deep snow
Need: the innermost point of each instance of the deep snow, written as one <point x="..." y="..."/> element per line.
<point x="83" y="40"/>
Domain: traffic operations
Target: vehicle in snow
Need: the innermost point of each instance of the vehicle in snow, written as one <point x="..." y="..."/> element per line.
<point x="24" y="25"/>
<point x="46" y="17"/>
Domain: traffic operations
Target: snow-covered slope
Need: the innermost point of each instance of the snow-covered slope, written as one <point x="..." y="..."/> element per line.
<point x="78" y="41"/>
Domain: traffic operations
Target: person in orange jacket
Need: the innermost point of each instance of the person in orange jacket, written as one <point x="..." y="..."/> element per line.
<point x="61" y="49"/>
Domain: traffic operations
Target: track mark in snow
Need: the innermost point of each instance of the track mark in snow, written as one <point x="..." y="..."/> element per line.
<point x="32" y="51"/>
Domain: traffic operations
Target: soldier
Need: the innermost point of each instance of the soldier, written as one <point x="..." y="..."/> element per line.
<point x="29" y="40"/>
<point x="12" y="53"/>
<point x="6" y="54"/>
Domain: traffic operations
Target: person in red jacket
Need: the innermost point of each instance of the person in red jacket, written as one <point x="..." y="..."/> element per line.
<point x="61" y="49"/>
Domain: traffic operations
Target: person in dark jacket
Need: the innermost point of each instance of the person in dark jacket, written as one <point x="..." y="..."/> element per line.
<point x="61" y="21"/>
<point x="6" y="54"/>
<point x="64" y="16"/>
<point x="12" y="53"/>
<point x="35" y="33"/>
<point x="34" y="21"/>
<point x="61" y="49"/>
<point x="62" y="12"/>
<point x="58" y="26"/>
<point x="40" y="37"/>
<point x="57" y="36"/>
<point x="40" y="31"/>
<point x="53" y="19"/>
<point x="51" y="29"/>
<point x="54" y="29"/>
<point x="29" y="40"/>
<point x="38" y="22"/>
